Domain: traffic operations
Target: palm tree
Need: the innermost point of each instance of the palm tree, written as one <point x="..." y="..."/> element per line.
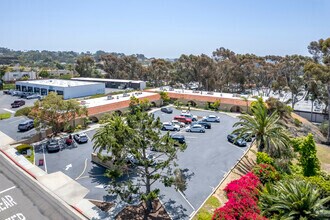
<point x="293" y="199"/>
<point x="271" y="136"/>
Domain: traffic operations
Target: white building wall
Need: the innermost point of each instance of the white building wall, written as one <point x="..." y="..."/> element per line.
<point x="12" y="76"/>
<point x="83" y="91"/>
<point x="71" y="92"/>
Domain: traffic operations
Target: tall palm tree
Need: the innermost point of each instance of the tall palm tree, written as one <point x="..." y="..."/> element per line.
<point x="271" y="136"/>
<point x="293" y="199"/>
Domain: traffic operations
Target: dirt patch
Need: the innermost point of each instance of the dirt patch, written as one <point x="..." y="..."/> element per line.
<point x="137" y="212"/>
<point x="104" y="206"/>
<point x="305" y="128"/>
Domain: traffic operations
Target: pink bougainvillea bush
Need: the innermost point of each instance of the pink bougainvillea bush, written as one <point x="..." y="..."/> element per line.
<point x="242" y="200"/>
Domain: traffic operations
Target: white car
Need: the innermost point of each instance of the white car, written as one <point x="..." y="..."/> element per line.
<point x="211" y="118"/>
<point x="189" y="115"/>
<point x="195" y="128"/>
<point x="168" y="126"/>
<point x="81" y="138"/>
<point x="176" y="122"/>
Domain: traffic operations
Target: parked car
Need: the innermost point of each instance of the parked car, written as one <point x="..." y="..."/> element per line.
<point x="26" y="125"/>
<point x="132" y="160"/>
<point x="232" y="138"/>
<point x="179" y="138"/>
<point x="126" y="95"/>
<point x="168" y="126"/>
<point x="206" y="125"/>
<point x="17" y="103"/>
<point x="189" y="115"/>
<point x="183" y="119"/>
<point x="53" y="145"/>
<point x="6" y="92"/>
<point x="176" y="122"/>
<point x="24" y="95"/>
<point x="195" y="128"/>
<point x="16" y="93"/>
<point x="33" y="96"/>
<point x="167" y="110"/>
<point x="81" y="138"/>
<point x="211" y="118"/>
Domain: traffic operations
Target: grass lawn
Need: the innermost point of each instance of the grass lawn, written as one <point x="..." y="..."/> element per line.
<point x="206" y="212"/>
<point x="7" y="86"/>
<point x="22" y="149"/>
<point x="5" y="116"/>
<point x="323" y="153"/>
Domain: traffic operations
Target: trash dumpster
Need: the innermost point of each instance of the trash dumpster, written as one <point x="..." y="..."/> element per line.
<point x="41" y="162"/>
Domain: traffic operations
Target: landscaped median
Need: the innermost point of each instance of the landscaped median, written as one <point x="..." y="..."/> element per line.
<point x="5" y="116"/>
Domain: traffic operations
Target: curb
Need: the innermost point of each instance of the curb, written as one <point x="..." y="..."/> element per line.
<point x="80" y="211"/>
<point x="18" y="164"/>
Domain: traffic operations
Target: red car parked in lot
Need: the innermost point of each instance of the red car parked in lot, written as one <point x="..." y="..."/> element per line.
<point x="183" y="119"/>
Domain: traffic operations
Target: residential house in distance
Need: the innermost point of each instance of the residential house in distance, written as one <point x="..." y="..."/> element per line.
<point x="17" y="75"/>
<point x="60" y="72"/>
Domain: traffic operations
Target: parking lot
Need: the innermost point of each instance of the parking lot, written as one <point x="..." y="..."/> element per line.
<point x="6" y="100"/>
<point x="206" y="160"/>
<point x="10" y="128"/>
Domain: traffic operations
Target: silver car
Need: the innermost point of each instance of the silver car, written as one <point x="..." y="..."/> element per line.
<point x="196" y="128"/>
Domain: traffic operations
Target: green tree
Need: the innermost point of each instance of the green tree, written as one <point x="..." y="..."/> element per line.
<point x="308" y="158"/>
<point x="293" y="199"/>
<point x="132" y="140"/>
<point x="270" y="135"/>
<point x="320" y="68"/>
<point x="44" y="73"/>
<point x="85" y="66"/>
<point x="56" y="112"/>
<point x="164" y="97"/>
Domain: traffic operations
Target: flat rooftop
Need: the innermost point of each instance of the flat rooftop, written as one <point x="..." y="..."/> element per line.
<point x="205" y="93"/>
<point x="115" y="99"/>
<point x="58" y="82"/>
<point x="107" y="80"/>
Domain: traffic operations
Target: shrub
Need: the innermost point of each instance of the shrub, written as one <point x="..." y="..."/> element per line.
<point x="297" y="122"/>
<point x="216" y="105"/>
<point x="307" y="150"/>
<point x="242" y="200"/>
<point x="204" y="215"/>
<point x="78" y="127"/>
<point x="264" y="158"/>
<point x="23" y="111"/>
<point x="322" y="184"/>
<point x="23" y="147"/>
<point x="266" y="173"/>
<point x="5" y="116"/>
<point x="324" y="128"/>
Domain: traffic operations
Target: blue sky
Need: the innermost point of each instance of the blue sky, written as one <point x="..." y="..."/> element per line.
<point x="164" y="28"/>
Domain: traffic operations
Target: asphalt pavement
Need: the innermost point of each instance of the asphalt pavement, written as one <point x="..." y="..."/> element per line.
<point x="22" y="198"/>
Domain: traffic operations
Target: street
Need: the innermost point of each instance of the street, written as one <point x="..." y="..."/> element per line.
<point x="22" y="198"/>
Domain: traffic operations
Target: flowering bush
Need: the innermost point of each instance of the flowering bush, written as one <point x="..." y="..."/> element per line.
<point x="266" y="173"/>
<point x="242" y="200"/>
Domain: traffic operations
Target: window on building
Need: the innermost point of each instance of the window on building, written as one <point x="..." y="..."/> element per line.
<point x="43" y="91"/>
<point x="30" y="89"/>
<point x="36" y="90"/>
<point x="59" y="92"/>
<point x="18" y="87"/>
<point x="23" y="88"/>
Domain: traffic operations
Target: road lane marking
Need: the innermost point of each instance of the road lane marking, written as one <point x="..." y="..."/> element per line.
<point x="100" y="186"/>
<point x="11" y="111"/>
<point x="83" y="170"/>
<point x="194" y="210"/>
<point x="67" y="167"/>
<point x="10" y="188"/>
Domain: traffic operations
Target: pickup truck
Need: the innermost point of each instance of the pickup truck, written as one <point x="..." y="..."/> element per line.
<point x="17" y="103"/>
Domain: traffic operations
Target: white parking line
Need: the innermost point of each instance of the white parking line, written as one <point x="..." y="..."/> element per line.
<point x="10" y="188"/>
<point x="83" y="170"/>
<point x="11" y="111"/>
<point x="14" y="121"/>
<point x="45" y="165"/>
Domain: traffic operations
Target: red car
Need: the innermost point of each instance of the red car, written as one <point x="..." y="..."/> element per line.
<point x="183" y="119"/>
